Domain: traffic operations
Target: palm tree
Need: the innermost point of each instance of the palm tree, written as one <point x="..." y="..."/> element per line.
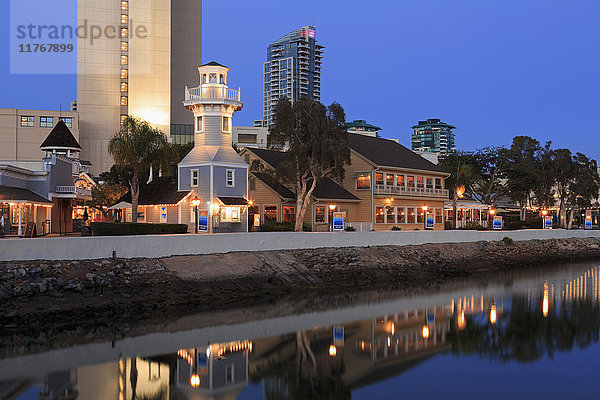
<point x="139" y="147"/>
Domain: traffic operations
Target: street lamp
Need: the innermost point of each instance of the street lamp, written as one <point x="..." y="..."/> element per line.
<point x="332" y="350"/>
<point x="544" y="212"/>
<point x="195" y="204"/>
<point x="492" y="212"/>
<point x="331" y="209"/>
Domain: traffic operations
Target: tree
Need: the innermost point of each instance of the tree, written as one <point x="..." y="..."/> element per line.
<point x="138" y="148"/>
<point x="490" y="165"/>
<point x="563" y="169"/>
<point x="463" y="175"/>
<point x="585" y="185"/>
<point x="543" y="194"/>
<point x="522" y="171"/>
<point x="318" y="146"/>
<point x="104" y="196"/>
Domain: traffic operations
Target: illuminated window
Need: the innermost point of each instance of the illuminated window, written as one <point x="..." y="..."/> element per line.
<point x="124" y="74"/>
<point x="123" y="118"/>
<point x="194" y="178"/>
<point x="438" y="215"/>
<point x="123" y="87"/>
<point x="204" y="79"/>
<point x="27" y="120"/>
<point x="230" y="214"/>
<point x="124" y="5"/>
<point x="419" y="181"/>
<point x="46" y="122"/>
<point x="378" y="178"/>
<point x="123" y="60"/>
<point x="410" y="181"/>
<point x="124" y="32"/>
<point x="199" y="124"/>
<point x="221" y="78"/>
<point x="379" y="216"/>
<point x="320" y="214"/>
<point x="410" y="215"/>
<point x="289" y="214"/>
<point x="124" y="19"/>
<point x="400" y="215"/>
<point x="420" y="214"/>
<point x="389" y="179"/>
<point x="429" y="183"/>
<point x="226" y="125"/>
<point x="230" y="177"/>
<point x="123" y="46"/>
<point x="390" y="217"/>
<point x="399" y="180"/>
<point x="363" y="182"/>
<point x="123" y="100"/>
<point x="270" y="213"/>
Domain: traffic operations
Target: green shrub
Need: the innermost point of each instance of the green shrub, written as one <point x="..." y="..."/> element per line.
<point x="272" y="226"/>
<point x="447" y="225"/>
<point x="396" y="228"/>
<point x="507" y="240"/>
<point x="350" y="229"/>
<point x="474" y="226"/>
<point x="128" y="228"/>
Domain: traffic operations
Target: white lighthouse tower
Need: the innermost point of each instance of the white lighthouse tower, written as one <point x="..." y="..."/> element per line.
<point x="213" y="170"/>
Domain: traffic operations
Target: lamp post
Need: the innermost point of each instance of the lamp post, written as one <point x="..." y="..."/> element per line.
<point x="195" y="204"/>
<point x="424" y="208"/>
<point x="331" y="209"/>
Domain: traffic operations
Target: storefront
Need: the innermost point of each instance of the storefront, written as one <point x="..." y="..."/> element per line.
<point x="21" y="207"/>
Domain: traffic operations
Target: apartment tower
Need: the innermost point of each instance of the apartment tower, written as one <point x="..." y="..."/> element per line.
<point x="433" y="136"/>
<point x="148" y="52"/>
<point x="292" y="70"/>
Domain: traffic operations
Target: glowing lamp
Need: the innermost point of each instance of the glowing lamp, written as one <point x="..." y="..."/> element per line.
<point x="493" y="314"/>
<point x="545" y="302"/>
<point x="250" y="202"/>
<point x="462" y="322"/>
<point x="544" y="212"/>
<point x="425" y="332"/>
<point x="460" y="191"/>
<point x="332" y="350"/>
<point x="424" y="208"/>
<point x="195" y="381"/>
<point x="392" y="329"/>
<point x="492" y="211"/>
<point x="332" y="207"/>
<point x="196" y="202"/>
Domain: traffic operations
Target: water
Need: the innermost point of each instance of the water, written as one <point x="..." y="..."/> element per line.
<point x="530" y="334"/>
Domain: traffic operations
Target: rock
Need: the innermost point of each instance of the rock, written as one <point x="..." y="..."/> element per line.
<point x="594" y="246"/>
<point x="106" y="263"/>
<point x="57" y="265"/>
<point x="90" y="276"/>
<point x="22" y="272"/>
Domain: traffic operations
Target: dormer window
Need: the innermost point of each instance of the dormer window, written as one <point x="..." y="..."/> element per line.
<point x="212" y="78"/>
<point x="204" y="79"/>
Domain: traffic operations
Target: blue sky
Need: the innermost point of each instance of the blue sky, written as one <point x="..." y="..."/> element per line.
<point x="493" y="69"/>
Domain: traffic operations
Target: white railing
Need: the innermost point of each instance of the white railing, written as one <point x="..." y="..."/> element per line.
<point x="410" y="191"/>
<point x="73" y="190"/>
<point x="212" y="93"/>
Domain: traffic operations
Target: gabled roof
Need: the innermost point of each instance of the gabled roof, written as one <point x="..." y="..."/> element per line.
<point x="159" y="191"/>
<point x="275" y="185"/>
<point x="60" y="136"/>
<point x="20" y="195"/>
<point x="328" y="189"/>
<point x="271" y="157"/>
<point x="212" y="154"/>
<point x="233" y="201"/>
<point x="389" y="153"/>
<point x="213" y="64"/>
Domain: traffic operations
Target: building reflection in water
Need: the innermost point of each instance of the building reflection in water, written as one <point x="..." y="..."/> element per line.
<point x="329" y="361"/>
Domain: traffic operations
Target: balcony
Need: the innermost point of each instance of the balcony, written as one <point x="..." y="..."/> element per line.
<point x="411" y="191"/>
<point x="73" y="190"/>
<point x="212" y="93"/>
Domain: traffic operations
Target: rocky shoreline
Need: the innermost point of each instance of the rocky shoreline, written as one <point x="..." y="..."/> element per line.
<point x="111" y="298"/>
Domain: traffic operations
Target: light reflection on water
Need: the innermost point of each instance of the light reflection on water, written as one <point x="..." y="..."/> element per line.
<point x="526" y="337"/>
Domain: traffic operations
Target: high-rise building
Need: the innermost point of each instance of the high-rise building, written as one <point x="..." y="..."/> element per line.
<point x="292" y="70"/>
<point x="433" y="136"/>
<point x="139" y="67"/>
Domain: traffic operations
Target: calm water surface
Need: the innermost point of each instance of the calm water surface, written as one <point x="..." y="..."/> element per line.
<point x="525" y="335"/>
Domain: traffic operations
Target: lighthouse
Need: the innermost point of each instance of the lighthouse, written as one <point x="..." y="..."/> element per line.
<point x="213" y="171"/>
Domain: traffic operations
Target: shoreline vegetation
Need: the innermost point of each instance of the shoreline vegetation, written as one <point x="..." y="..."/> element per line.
<point x="49" y="304"/>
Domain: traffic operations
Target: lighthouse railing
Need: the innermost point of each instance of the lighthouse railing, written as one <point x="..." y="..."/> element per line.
<point x="212" y="93"/>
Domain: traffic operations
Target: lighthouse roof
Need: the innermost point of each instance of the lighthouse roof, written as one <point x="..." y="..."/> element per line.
<point x="214" y="64"/>
<point x="60" y="137"/>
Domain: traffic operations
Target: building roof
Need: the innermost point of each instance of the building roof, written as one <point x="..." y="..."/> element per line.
<point x="432" y="122"/>
<point x="389" y="153"/>
<point x="233" y="201"/>
<point x="212" y="154"/>
<point x="159" y="191"/>
<point x="328" y="189"/>
<point x="362" y="124"/>
<point x="20" y="195"/>
<point x="213" y="64"/>
<point x="60" y="136"/>
<point x="271" y="157"/>
<point x="274" y="184"/>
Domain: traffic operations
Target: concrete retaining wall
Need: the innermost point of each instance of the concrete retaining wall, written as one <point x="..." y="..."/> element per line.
<point x="82" y="248"/>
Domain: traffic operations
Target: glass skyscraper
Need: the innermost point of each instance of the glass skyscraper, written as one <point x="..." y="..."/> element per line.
<point x="293" y="70"/>
<point x="433" y="136"/>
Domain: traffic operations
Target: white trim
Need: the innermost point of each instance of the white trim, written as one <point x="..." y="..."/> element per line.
<point x="210" y="164"/>
<point x="228" y="130"/>
<point x="201" y="130"/>
<point x="192" y="177"/>
<point x="227" y="171"/>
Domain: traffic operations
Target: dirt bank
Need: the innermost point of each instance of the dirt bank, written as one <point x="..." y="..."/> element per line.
<point x="111" y="298"/>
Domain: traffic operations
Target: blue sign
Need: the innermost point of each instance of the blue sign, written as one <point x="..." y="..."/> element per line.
<point x="429" y="221"/>
<point x="338" y="221"/>
<point x="497" y="222"/>
<point x="588" y="222"/>
<point x="202" y="363"/>
<point x="547" y="222"/>
<point x="163" y="215"/>
<point x="203" y="221"/>
<point x="338" y="335"/>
